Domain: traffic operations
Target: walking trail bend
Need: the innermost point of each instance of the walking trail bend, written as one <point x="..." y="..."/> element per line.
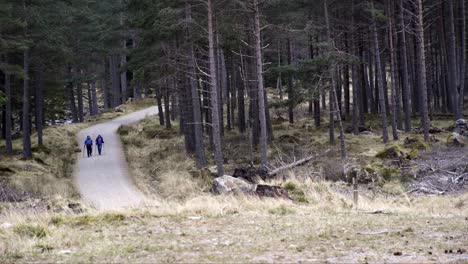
<point x="103" y="180"/>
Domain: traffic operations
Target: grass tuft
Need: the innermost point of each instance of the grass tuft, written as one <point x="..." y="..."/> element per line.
<point x="31" y="230"/>
<point x="281" y="210"/>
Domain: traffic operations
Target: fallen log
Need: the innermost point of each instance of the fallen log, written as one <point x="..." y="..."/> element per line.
<point x="290" y="166"/>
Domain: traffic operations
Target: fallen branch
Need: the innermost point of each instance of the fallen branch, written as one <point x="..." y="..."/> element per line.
<point x="372" y="212"/>
<point x="290" y="166"/>
<point x="373" y="232"/>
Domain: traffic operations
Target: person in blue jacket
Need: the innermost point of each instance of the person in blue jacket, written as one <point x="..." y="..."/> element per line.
<point x="99" y="144"/>
<point x="89" y="146"/>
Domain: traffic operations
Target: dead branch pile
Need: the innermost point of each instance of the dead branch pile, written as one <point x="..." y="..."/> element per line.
<point x="443" y="170"/>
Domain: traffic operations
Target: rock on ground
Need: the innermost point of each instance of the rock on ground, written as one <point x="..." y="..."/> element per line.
<point x="228" y="184"/>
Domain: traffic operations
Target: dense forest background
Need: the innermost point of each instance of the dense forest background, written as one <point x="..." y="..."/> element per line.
<point x="209" y="63"/>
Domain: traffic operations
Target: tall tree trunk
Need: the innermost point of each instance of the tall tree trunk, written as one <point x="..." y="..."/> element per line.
<point x="160" y="105"/>
<point x="452" y="58"/>
<point x="333" y="95"/>
<point x="421" y="61"/>
<point x="463" y="51"/>
<point x="394" y="84"/>
<point x="404" y="69"/>
<point x="279" y="81"/>
<point x="8" y="114"/>
<point x="79" y="94"/>
<point x="192" y="76"/>
<point x="215" y="92"/>
<point x="116" y="95"/>
<point x="104" y="87"/>
<point x="27" y="153"/>
<point x="39" y="104"/>
<point x="291" y="95"/>
<point x="346" y="81"/>
<point x="90" y="99"/>
<point x="167" y="111"/>
<point x="241" y="96"/>
<point x="71" y="95"/>
<point x="123" y="62"/>
<point x="261" y="89"/>
<point x="383" y="111"/>
<point x="95" y="99"/>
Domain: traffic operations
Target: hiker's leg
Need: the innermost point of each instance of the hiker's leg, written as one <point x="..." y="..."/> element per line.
<point x="100" y="149"/>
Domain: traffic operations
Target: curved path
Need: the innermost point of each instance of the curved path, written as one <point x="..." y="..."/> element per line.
<point x="103" y="180"/>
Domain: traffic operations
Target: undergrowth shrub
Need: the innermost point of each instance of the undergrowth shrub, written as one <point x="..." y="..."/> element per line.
<point x="333" y="170"/>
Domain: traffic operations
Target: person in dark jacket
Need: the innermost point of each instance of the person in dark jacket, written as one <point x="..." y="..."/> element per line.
<point x="89" y="146"/>
<point x="99" y="143"/>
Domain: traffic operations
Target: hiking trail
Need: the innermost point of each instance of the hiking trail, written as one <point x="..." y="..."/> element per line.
<point x="103" y="180"/>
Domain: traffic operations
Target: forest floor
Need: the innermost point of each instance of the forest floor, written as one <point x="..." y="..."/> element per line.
<point x="186" y="223"/>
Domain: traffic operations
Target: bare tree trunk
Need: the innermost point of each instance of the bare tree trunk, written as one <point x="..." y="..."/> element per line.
<point x="90" y="99"/>
<point x="241" y="97"/>
<point x="39" y="104"/>
<point x="123" y="62"/>
<point x="104" y="87"/>
<point x="279" y="81"/>
<point x="421" y="61"/>
<point x="94" y="98"/>
<point x="394" y="84"/>
<point x="160" y="105"/>
<point x="291" y="95"/>
<point x="167" y="110"/>
<point x="346" y="77"/>
<point x="261" y="89"/>
<point x="404" y="69"/>
<point x="215" y="92"/>
<point x="71" y="96"/>
<point x="27" y="153"/>
<point x="116" y="95"/>
<point x="463" y="51"/>
<point x="79" y="94"/>
<point x="355" y="76"/>
<point x="197" y="120"/>
<point x="8" y="114"/>
<point x="452" y="57"/>
<point x="333" y="97"/>
<point x="383" y="111"/>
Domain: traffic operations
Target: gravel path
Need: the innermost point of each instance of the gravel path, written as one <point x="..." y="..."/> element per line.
<point x="103" y="180"/>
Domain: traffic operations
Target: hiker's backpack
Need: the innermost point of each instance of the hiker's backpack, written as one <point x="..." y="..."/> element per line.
<point x="88" y="142"/>
<point x="99" y="141"/>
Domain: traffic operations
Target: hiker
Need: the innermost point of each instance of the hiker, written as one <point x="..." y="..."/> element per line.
<point x="99" y="144"/>
<point x="89" y="146"/>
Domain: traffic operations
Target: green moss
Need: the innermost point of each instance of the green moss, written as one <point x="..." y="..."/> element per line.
<point x="416" y="143"/>
<point x="412" y="154"/>
<point x="390" y="153"/>
<point x="28" y="230"/>
<point x="390" y="173"/>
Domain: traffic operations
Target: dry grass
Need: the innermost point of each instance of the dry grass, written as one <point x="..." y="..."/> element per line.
<point x="160" y="167"/>
<point x="210" y="228"/>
